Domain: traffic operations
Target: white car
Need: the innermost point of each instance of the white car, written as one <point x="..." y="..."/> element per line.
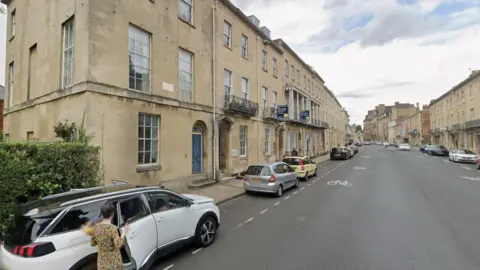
<point x="47" y="233"/>
<point x="404" y="147"/>
<point x="462" y="155"/>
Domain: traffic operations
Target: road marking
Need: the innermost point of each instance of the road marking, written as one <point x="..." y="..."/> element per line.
<point x="309" y="184"/>
<point x="248" y="220"/>
<point x="421" y="156"/>
<point x="365" y="156"/>
<point x="470" y="178"/>
<point x="277" y="203"/>
<point x="446" y="161"/>
<point x="314" y="181"/>
<point x="295" y="192"/>
<point x="302" y="188"/>
<point x="168" y="267"/>
<point x="359" y="168"/>
<point x="466" y="168"/>
<point x="264" y="211"/>
<point x="339" y="182"/>
<point x="286" y="198"/>
<point x="238" y="226"/>
<point x="196" y="251"/>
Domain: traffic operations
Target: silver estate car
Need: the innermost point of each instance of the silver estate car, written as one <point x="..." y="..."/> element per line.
<point x="270" y="178"/>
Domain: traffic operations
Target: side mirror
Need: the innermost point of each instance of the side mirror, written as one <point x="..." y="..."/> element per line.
<point x="188" y="203"/>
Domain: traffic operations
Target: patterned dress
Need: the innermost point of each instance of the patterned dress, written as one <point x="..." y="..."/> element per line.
<point x="106" y="237"/>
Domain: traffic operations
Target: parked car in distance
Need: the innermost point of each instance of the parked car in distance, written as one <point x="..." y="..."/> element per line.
<point x="273" y="178"/>
<point x="47" y="234"/>
<point x="462" y="155"/>
<point x="423" y="148"/>
<point x="303" y="166"/>
<point x="403" y="147"/>
<point x="339" y="153"/>
<point x="437" y="150"/>
<point x="350" y="150"/>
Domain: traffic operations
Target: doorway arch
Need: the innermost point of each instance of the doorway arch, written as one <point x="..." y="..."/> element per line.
<point x="198" y="145"/>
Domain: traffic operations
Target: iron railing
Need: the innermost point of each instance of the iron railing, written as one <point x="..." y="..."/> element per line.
<point x="270" y="112"/>
<point x="240" y="105"/>
<point x="473" y="123"/>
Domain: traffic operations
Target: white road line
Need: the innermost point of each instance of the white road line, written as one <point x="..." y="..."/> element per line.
<point x="168" y="267"/>
<point x="286" y="198"/>
<point x="467" y="168"/>
<point x="314" y="181"/>
<point x="302" y="188"/>
<point x="196" y="251"/>
<point x="248" y="220"/>
<point x="264" y="211"/>
<point x="309" y="184"/>
<point x="295" y="192"/>
<point x="238" y="226"/>
<point x="277" y="203"/>
<point x="446" y="161"/>
<point x="359" y="168"/>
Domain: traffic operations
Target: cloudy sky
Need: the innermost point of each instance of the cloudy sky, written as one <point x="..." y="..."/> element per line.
<point x="372" y="51"/>
<point x="378" y="51"/>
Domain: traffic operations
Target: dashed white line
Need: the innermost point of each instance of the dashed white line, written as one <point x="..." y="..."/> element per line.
<point x="302" y="188"/>
<point x="196" y="251"/>
<point x="286" y="198"/>
<point x="309" y="184"/>
<point x="446" y="161"/>
<point x="295" y="192"/>
<point x="248" y="220"/>
<point x="263" y="211"/>
<point x="314" y="181"/>
<point x="277" y="203"/>
<point x="168" y="267"/>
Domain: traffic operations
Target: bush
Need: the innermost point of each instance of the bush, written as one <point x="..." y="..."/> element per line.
<point x="30" y="171"/>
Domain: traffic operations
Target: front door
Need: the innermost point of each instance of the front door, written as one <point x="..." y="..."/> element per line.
<point x="196" y="153"/>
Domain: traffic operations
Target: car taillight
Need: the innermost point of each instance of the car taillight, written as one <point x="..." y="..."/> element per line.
<point x="302" y="167"/>
<point x="272" y="179"/>
<point x="34" y="250"/>
<point x="245" y="178"/>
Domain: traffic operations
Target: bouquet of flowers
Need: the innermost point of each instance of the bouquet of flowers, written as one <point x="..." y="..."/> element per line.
<point x="88" y="228"/>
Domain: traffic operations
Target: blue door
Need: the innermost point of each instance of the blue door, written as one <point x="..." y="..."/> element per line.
<point x="196" y="153"/>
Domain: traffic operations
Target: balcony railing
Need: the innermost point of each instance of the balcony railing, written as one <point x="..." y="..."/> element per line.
<point x="457" y="127"/>
<point x="473" y="124"/>
<point x="270" y="112"/>
<point x="240" y="105"/>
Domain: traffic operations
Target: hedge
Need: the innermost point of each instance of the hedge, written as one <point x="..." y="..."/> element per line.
<point x="30" y="171"/>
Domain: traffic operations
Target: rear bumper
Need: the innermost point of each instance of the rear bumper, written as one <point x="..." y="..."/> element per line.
<point x="266" y="188"/>
<point x="301" y="174"/>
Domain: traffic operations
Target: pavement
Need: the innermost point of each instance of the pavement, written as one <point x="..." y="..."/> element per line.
<point x="382" y="209"/>
<point x="229" y="189"/>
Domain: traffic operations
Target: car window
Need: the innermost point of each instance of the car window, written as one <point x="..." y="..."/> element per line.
<point x="292" y="161"/>
<point x="132" y="209"/>
<point x="279" y="169"/>
<point x="78" y="216"/>
<point x="258" y="170"/>
<point x="287" y="168"/>
<point x="164" y="201"/>
<point x="306" y="161"/>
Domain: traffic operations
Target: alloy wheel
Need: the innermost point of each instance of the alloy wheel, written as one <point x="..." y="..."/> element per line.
<point x="280" y="191"/>
<point x="207" y="233"/>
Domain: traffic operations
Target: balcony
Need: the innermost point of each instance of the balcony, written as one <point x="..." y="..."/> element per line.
<point x="270" y="113"/>
<point x="473" y="124"/>
<point x="457" y="127"/>
<point x="242" y="105"/>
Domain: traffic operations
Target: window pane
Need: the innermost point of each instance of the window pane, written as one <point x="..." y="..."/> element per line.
<point x="141" y="133"/>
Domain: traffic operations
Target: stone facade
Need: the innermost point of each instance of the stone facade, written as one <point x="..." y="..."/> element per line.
<point x="168" y="91"/>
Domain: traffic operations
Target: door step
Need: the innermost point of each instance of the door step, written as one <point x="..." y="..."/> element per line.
<point x="197" y="184"/>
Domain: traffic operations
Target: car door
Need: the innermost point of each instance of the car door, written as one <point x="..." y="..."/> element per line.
<point x="174" y="218"/>
<point x="282" y="178"/>
<point x="141" y="239"/>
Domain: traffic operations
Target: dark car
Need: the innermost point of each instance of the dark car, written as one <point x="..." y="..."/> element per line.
<point x="437" y="150"/>
<point x="423" y="148"/>
<point x="340" y="153"/>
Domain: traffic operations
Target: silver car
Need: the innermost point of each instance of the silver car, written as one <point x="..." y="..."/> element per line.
<point x="270" y="178"/>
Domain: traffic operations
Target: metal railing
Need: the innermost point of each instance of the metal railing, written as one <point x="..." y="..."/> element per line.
<point x="240" y="104"/>
<point x="472" y="124"/>
<point x="270" y="112"/>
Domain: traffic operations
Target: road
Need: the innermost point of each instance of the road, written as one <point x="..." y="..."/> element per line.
<point x="403" y="210"/>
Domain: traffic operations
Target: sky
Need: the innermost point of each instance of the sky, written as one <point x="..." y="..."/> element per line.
<point x="371" y="52"/>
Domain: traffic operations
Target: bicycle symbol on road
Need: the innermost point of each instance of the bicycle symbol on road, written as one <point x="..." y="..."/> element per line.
<point x="339" y="182"/>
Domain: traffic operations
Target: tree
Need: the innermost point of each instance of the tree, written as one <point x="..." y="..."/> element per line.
<point x="358" y="128"/>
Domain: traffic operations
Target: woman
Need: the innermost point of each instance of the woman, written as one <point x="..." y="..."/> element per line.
<point x="105" y="236"/>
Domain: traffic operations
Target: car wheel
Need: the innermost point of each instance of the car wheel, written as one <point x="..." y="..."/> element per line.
<point x="297" y="184"/>
<point x="279" y="192"/>
<point x="315" y="174"/>
<point x="206" y="231"/>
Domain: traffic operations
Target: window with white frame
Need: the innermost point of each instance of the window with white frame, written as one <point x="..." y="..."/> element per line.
<point x="268" y="149"/>
<point x="264" y="60"/>
<point x="265" y="97"/>
<point x="274" y="67"/>
<point x="148" y="137"/>
<point x="11" y="77"/>
<point x="185" y="75"/>
<point x="275" y="99"/>
<point x="185" y="10"/>
<point x="13" y="23"/>
<point x="139" y="59"/>
<point x="245" y="88"/>
<point x="68" y="58"/>
<point x="243" y="140"/>
<point x="244" y="46"/>
<point x="227" y="34"/>
<point x="227" y="83"/>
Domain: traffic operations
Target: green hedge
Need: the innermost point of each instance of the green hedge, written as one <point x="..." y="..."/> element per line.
<point x="30" y="171"/>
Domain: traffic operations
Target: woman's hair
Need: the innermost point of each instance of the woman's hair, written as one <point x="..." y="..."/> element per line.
<point x="108" y="210"/>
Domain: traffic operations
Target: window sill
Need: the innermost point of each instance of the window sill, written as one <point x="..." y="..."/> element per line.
<point x="149" y="167"/>
<point x="187" y="22"/>
<point x="268" y="155"/>
<point x="11" y="38"/>
<point x="275" y="76"/>
<point x="265" y="70"/>
<point x="243" y="157"/>
<point x="230" y="48"/>
<point x="149" y="92"/>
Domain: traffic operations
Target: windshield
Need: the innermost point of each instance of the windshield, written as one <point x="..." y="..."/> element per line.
<point x="464" y="151"/>
<point x="258" y="170"/>
<point x="292" y="161"/>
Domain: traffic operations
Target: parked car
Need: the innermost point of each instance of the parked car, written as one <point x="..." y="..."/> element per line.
<point x="303" y="166"/>
<point x="462" y="155"/>
<point x="423" y="148"/>
<point x="272" y="178"/>
<point x="47" y="234"/>
<point x="437" y="150"/>
<point x="478" y="162"/>
<point x="339" y="153"/>
<point x="354" y="149"/>
<point x="350" y="150"/>
<point x="403" y="147"/>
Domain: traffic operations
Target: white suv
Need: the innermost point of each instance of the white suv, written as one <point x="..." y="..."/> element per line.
<point x="47" y="232"/>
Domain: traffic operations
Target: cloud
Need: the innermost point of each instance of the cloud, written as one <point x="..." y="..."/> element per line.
<point x="369" y="91"/>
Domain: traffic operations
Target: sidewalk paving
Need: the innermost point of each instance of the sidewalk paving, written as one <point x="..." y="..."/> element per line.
<point x="230" y="189"/>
